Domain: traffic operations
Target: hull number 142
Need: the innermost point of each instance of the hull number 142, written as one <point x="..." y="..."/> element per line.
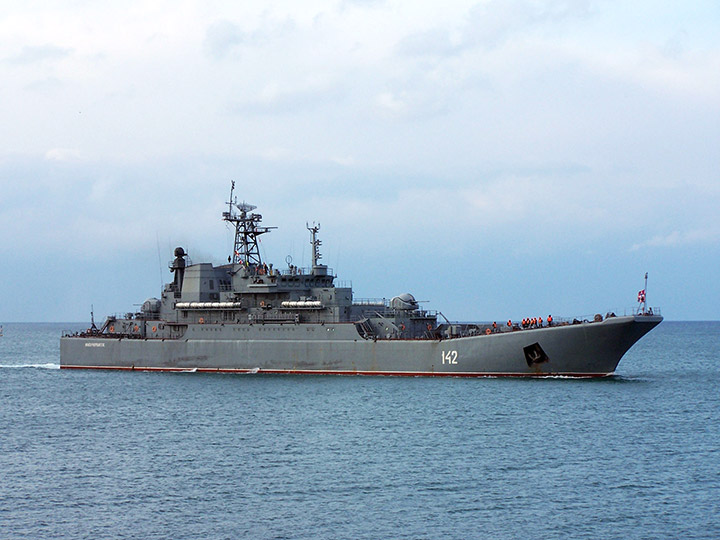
<point x="449" y="357"/>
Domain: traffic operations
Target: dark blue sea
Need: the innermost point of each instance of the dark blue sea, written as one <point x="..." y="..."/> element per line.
<point x="89" y="454"/>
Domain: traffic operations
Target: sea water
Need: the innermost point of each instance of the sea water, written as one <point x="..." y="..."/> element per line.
<point x="96" y="454"/>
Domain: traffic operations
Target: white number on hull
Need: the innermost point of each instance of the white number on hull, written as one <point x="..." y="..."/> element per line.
<point x="449" y="357"/>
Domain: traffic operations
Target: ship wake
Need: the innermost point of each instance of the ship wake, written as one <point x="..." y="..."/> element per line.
<point x="35" y="366"/>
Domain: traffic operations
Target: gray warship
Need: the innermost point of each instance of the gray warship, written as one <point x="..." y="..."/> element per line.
<point x="250" y="317"/>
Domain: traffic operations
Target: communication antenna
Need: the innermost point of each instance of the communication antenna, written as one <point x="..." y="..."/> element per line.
<point x="160" y="268"/>
<point x="315" y="243"/>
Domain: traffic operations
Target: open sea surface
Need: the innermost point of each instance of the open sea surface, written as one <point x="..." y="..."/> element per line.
<point x="94" y="454"/>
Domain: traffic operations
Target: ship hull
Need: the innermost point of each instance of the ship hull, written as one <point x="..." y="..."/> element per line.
<point x="579" y="350"/>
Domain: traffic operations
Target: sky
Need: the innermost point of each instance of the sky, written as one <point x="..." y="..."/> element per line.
<point x="497" y="159"/>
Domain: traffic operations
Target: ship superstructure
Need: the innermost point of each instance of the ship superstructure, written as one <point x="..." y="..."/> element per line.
<point x="247" y="290"/>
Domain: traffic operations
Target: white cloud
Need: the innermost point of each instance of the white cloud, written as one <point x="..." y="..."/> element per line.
<point x="392" y="102"/>
<point x="492" y="23"/>
<point x="30" y="54"/>
<point x="706" y="236"/>
<point x="589" y="119"/>
<point x="432" y="42"/>
<point x="222" y="38"/>
<point x="63" y="154"/>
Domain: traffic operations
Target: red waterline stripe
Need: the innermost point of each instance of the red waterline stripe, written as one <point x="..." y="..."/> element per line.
<point x="323" y="372"/>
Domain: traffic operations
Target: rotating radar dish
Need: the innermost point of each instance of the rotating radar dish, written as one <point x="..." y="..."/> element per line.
<point x="245" y="207"/>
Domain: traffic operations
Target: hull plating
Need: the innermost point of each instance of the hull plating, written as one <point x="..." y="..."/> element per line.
<point x="582" y="350"/>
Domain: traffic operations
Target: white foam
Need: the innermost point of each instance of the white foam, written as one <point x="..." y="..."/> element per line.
<point x="38" y="366"/>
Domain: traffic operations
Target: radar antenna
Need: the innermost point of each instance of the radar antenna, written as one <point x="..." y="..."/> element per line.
<point x="247" y="230"/>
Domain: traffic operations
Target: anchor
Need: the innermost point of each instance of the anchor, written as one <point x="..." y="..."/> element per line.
<point x="534" y="354"/>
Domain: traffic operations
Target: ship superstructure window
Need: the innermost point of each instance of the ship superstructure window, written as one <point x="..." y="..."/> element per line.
<point x="212" y="284"/>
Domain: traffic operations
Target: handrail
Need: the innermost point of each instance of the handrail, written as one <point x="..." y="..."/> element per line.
<point x="371" y="302"/>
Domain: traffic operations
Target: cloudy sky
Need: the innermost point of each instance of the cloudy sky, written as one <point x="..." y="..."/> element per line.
<point x="495" y="158"/>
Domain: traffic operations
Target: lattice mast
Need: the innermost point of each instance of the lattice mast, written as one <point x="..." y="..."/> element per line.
<point x="247" y="230"/>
